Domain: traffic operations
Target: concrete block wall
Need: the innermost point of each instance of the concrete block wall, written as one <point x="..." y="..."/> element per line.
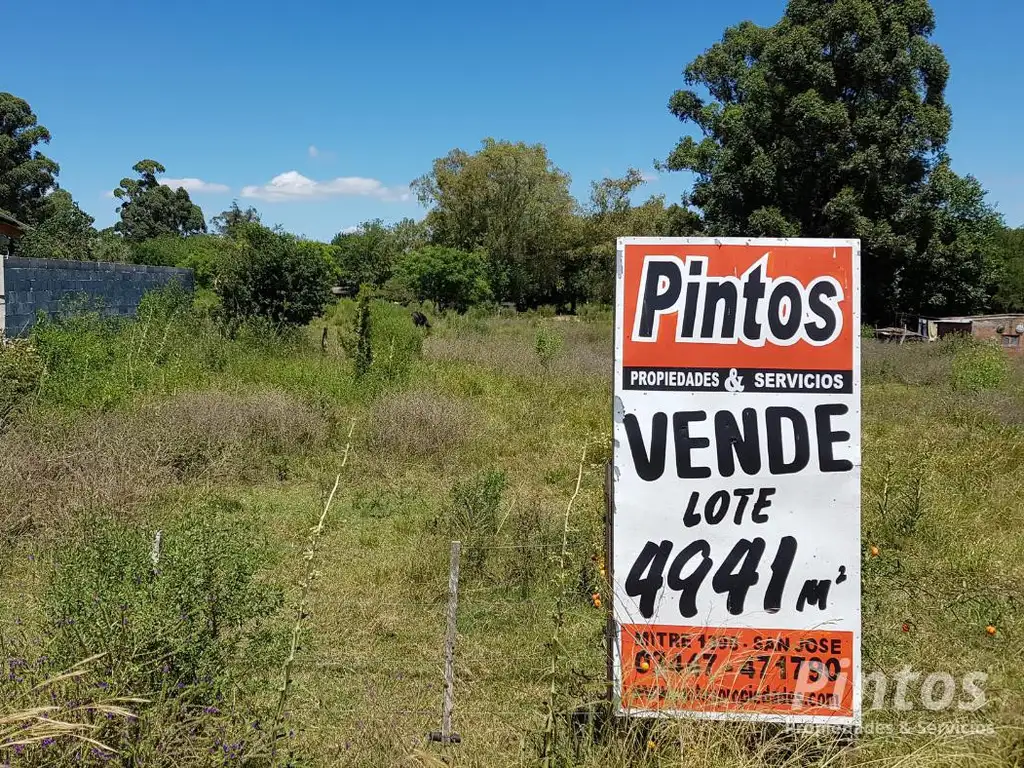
<point x="29" y="286"/>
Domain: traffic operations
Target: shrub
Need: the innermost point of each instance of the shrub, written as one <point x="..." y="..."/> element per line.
<point x="391" y="344"/>
<point x="20" y="370"/>
<point x="200" y="253"/>
<point x="362" y="331"/>
<point x="595" y="313"/>
<point x="78" y="352"/>
<point x="272" y="276"/>
<point x="185" y="629"/>
<point x="546" y="311"/>
<point x="96" y="361"/>
<point x="174" y="626"/>
<point x="65" y="231"/>
<point x="398" y="343"/>
<point x="547" y="346"/>
<point x="980" y="366"/>
<point x="474" y="514"/>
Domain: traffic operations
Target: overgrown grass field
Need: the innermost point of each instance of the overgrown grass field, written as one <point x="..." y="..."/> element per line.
<point x="169" y="598"/>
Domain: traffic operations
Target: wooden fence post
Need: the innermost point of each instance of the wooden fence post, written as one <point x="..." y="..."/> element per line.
<point x="446" y="736"/>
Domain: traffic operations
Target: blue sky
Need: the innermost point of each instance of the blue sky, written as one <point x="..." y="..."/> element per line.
<point x="345" y="103"/>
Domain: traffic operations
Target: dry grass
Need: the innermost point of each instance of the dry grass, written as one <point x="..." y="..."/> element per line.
<point x="419" y="425"/>
<point x="506" y="346"/>
<point x="54" y="466"/>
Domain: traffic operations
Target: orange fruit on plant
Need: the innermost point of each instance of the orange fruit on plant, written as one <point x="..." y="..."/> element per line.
<point x="874" y="551"/>
<point x="991" y="629"/>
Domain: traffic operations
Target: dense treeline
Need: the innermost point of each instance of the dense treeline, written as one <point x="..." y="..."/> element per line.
<point x="831" y="123"/>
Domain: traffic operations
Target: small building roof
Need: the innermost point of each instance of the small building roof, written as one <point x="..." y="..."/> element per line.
<point x="6" y="218"/>
<point x="972" y="318"/>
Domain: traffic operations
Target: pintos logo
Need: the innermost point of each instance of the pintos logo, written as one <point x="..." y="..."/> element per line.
<point x="753" y="309"/>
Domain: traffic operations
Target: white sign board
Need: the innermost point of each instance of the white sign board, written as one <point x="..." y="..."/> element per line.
<point x="736" y="527"/>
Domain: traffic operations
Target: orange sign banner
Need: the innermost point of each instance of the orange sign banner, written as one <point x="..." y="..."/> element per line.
<point x="716" y="669"/>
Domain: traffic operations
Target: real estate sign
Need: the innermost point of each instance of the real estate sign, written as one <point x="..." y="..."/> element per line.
<point x="736" y="486"/>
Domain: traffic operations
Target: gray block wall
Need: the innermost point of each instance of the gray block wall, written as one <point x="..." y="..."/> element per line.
<point x="49" y="285"/>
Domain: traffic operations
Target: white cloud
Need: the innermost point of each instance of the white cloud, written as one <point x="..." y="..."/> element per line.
<point x="313" y="151"/>
<point x="292" y="185"/>
<point x="351" y="230"/>
<point x="649" y="176"/>
<point x="195" y="185"/>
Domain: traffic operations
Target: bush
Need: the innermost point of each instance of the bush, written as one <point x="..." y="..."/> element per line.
<point x="979" y="366"/>
<point x="96" y="361"/>
<point x="395" y="344"/>
<point x="200" y="253"/>
<point x="596" y="313"/>
<point x="273" y="276"/>
<point x="175" y="626"/>
<point x="398" y="343"/>
<point x="20" y="370"/>
<point x="185" y="629"/>
<point x="546" y="311"/>
<point x="110" y="247"/>
<point x="547" y="346"/>
<point x="78" y="352"/>
<point x="473" y="516"/>
<point x="362" y="334"/>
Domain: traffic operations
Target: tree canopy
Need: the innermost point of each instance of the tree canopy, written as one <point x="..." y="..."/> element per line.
<point x="833" y="123"/>
<point x="226" y="222"/>
<point x="65" y="231"/>
<point x="368" y="254"/>
<point x="1008" y="259"/>
<point x="26" y="174"/>
<point x="510" y="201"/>
<point x="149" y="209"/>
<point x="448" y="277"/>
<point x="273" y="276"/>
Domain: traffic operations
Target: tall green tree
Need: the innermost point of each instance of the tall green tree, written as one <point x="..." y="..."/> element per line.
<point x="833" y="122"/>
<point x="446" y="276"/>
<point x="1008" y="258"/>
<point x="227" y="222"/>
<point x="367" y="255"/>
<point x="510" y="201"/>
<point x="150" y="209"/>
<point x="272" y="276"/>
<point x="64" y="230"/>
<point x="26" y="174"/>
<point x="589" y="267"/>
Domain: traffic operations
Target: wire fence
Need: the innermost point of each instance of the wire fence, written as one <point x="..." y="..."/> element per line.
<point x="506" y="657"/>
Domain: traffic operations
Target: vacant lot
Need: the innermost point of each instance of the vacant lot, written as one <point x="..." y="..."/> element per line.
<point x="176" y="650"/>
